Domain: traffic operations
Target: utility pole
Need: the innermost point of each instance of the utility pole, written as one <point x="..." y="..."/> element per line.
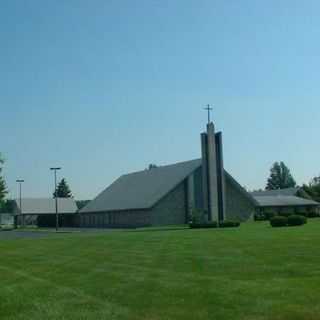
<point x="20" y="181"/>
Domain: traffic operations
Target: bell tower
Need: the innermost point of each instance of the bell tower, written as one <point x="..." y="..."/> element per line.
<point x="213" y="184"/>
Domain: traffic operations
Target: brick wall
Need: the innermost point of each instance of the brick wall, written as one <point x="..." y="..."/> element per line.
<point x="169" y="210"/>
<point x="115" y="219"/>
<point x="172" y="209"/>
<point x="238" y="206"/>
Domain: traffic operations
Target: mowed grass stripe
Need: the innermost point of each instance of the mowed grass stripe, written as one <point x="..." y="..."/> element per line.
<point x="254" y="272"/>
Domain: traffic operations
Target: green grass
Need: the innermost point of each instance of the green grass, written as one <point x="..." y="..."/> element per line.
<point x="254" y="272"/>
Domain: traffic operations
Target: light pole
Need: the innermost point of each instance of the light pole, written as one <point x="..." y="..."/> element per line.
<point x="20" y="181"/>
<point x="56" y="195"/>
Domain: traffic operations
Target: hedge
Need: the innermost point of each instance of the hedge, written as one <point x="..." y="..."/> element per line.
<point x="214" y="224"/>
<point x="293" y="220"/>
<point x="285" y="214"/>
<point x="279" y="221"/>
<point x="297" y="220"/>
<point x="194" y="225"/>
<point x="6" y="228"/>
<point x="229" y="224"/>
<point x="312" y="214"/>
<point x="263" y="216"/>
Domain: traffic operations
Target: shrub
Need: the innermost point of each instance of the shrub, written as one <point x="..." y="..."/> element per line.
<point x="198" y="216"/>
<point x="195" y="225"/>
<point x="312" y="214"/>
<point x="258" y="216"/>
<point x="279" y="221"/>
<point x="285" y="214"/>
<point x="229" y="224"/>
<point x="6" y="228"/>
<point x="304" y="214"/>
<point x="296" y="220"/>
<point x="269" y="215"/>
<point x="214" y="224"/>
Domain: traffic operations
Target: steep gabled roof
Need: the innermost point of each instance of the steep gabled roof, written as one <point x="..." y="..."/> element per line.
<point x="143" y="189"/>
<point x="229" y="178"/>
<point x="284" y="201"/>
<point x="46" y="205"/>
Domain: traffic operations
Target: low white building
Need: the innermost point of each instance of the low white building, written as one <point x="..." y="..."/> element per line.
<point x="42" y="210"/>
<point x="284" y="201"/>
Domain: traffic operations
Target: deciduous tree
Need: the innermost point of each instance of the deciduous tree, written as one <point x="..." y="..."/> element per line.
<point x="313" y="189"/>
<point x="280" y="177"/>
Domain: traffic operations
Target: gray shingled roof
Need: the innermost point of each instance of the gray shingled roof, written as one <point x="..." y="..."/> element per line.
<point x="284" y="201"/>
<point x="143" y="189"/>
<point x="279" y="192"/>
<point x="46" y="205"/>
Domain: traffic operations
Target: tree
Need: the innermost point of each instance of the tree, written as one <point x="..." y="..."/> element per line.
<point x="82" y="203"/>
<point x="3" y="187"/>
<point x="315" y="182"/>
<point x="63" y="190"/>
<point x="8" y="206"/>
<point x="313" y="189"/>
<point x="280" y="177"/>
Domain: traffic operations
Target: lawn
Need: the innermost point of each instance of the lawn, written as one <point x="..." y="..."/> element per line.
<point x="254" y="272"/>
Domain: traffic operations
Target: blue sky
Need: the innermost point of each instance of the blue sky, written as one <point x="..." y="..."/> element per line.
<point x="102" y="88"/>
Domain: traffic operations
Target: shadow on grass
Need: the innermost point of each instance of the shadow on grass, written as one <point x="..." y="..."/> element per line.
<point x="168" y="228"/>
<point x="180" y="228"/>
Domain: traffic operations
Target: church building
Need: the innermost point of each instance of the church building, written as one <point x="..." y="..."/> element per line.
<point x="167" y="195"/>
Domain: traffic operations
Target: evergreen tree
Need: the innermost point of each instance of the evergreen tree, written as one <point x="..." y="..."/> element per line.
<point x="8" y="206"/>
<point x="3" y="187"/>
<point x="63" y="190"/>
<point x="280" y="177"/>
<point x="82" y="203"/>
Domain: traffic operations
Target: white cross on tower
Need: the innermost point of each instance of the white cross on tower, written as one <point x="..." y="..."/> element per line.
<point x="208" y="108"/>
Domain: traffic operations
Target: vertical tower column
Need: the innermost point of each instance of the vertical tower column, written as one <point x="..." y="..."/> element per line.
<point x="213" y="174"/>
<point x="220" y="177"/>
<point x="205" y="193"/>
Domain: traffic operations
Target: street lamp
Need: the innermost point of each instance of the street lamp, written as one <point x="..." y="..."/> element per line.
<point x="20" y="181"/>
<point x="56" y="195"/>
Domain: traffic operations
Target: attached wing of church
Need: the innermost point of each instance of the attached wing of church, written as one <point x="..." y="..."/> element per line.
<point x="167" y="195"/>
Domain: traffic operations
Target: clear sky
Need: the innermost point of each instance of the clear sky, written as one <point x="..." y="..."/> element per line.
<point x="102" y="88"/>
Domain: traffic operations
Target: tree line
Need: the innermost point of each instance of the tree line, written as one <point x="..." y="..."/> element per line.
<point x="280" y="177"/>
<point x="3" y="186"/>
<point x="7" y="205"/>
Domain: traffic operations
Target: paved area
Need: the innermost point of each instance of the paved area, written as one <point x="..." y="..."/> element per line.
<point x="35" y="234"/>
<point x="8" y="235"/>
